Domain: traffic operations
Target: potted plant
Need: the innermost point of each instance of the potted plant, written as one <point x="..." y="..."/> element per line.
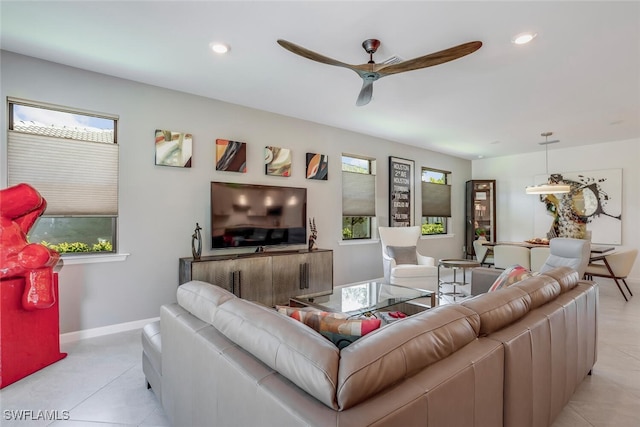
<point x="481" y="233"/>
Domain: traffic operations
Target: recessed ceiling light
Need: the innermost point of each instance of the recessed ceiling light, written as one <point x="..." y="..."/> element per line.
<point x="523" y="38"/>
<point x="219" y="48"/>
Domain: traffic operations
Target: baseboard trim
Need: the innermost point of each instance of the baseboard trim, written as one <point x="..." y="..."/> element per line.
<point x="70" y="337"/>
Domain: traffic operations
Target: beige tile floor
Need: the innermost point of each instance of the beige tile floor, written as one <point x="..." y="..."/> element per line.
<point x="101" y="384"/>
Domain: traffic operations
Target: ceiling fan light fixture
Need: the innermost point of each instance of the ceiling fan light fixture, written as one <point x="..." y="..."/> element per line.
<point x="523" y="38"/>
<point x="219" y="48"/>
<point x="550" y="187"/>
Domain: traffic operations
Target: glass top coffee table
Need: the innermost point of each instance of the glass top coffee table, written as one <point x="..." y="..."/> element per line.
<point x="367" y="297"/>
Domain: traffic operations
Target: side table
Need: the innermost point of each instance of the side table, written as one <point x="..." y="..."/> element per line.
<point x="455" y="265"/>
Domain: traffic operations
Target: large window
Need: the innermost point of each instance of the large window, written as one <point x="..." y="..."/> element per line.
<point x="358" y="197"/>
<point x="71" y="158"/>
<point x="436" y="201"/>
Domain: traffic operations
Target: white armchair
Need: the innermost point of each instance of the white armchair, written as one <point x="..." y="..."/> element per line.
<point x="402" y="263"/>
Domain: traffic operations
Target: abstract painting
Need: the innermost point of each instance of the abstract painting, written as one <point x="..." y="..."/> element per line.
<point x="317" y="166"/>
<point x="592" y="209"/>
<point x="173" y="148"/>
<point x="277" y="161"/>
<point x="231" y="156"/>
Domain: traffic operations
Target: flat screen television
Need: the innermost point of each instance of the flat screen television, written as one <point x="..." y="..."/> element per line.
<point x="250" y="215"/>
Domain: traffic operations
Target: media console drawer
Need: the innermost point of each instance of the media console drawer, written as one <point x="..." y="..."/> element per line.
<point x="269" y="278"/>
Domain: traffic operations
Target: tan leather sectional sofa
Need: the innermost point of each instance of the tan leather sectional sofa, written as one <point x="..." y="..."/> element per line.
<point x="508" y="358"/>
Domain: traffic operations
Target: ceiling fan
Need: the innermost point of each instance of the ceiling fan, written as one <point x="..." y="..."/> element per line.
<point x="370" y="72"/>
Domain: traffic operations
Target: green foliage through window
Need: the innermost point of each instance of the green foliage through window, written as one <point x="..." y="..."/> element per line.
<point x="75" y="247"/>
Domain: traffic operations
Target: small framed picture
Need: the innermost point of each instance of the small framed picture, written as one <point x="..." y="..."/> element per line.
<point x="317" y="166"/>
<point x="277" y="161"/>
<point x="231" y="156"/>
<point x="173" y="148"/>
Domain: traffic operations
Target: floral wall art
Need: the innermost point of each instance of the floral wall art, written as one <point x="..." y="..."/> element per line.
<point x="593" y="207"/>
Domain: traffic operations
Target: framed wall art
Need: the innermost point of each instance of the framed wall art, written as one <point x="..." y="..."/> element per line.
<point x="401" y="183"/>
<point x="317" y="166"/>
<point x="231" y="156"/>
<point x="277" y="161"/>
<point x="592" y="209"/>
<point x="173" y="148"/>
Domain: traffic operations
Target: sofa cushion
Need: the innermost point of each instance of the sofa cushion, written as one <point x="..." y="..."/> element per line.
<point x="566" y="277"/>
<point x="509" y="276"/>
<point x="201" y="298"/>
<point x="292" y="349"/>
<point x="541" y="289"/>
<point x="401" y="349"/>
<point x="403" y="254"/>
<point x="500" y="308"/>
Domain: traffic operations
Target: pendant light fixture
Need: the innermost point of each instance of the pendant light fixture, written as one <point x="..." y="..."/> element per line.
<point x="550" y="187"/>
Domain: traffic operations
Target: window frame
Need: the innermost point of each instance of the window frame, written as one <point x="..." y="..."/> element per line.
<point x="370" y="219"/>
<point x="72" y="136"/>
<point x="425" y="219"/>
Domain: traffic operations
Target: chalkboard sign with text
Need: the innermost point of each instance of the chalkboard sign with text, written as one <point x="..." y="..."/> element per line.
<point x="400" y="192"/>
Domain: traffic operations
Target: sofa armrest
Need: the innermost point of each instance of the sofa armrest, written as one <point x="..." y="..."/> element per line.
<point x="482" y="278"/>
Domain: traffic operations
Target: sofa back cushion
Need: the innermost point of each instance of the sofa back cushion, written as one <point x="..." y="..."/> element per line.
<point x="401" y="349"/>
<point x="500" y="308"/>
<point x="566" y="277"/>
<point x="296" y="351"/>
<point x="541" y="289"/>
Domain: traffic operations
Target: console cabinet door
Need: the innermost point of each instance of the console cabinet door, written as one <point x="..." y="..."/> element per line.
<point x="246" y="278"/>
<point x="302" y="274"/>
<point x="253" y="281"/>
<point x="288" y="277"/>
<point x="320" y="273"/>
<point x="219" y="273"/>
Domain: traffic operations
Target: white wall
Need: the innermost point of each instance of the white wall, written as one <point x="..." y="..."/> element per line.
<point x="514" y="173"/>
<point x="159" y="206"/>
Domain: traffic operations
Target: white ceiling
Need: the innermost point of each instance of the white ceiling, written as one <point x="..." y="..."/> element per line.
<point x="579" y="78"/>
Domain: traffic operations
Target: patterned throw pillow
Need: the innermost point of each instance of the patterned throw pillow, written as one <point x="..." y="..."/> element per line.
<point x="334" y="326"/>
<point x="509" y="276"/>
<point x="403" y="254"/>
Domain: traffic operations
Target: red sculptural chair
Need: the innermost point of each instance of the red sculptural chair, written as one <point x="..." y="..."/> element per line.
<point x="29" y="314"/>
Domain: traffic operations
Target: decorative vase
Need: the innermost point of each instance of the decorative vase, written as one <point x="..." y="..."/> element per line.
<point x="196" y="248"/>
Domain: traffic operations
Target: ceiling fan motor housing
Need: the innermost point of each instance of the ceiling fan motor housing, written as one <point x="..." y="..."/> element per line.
<point x="371" y="45"/>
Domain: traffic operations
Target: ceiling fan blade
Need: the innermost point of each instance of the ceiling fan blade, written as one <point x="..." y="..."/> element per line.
<point x="309" y="54"/>
<point x="432" y="59"/>
<point x="365" y="93"/>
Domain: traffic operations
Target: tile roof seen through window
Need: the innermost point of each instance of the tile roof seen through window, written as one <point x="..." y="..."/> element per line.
<point x="81" y="134"/>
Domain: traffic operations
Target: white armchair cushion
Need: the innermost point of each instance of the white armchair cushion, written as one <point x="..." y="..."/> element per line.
<point x="403" y="254"/>
<point x="408" y="270"/>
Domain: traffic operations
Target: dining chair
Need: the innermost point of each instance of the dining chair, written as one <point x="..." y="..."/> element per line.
<point x="539" y="255"/>
<point x="616" y="266"/>
<point x="507" y="255"/>
<point x="480" y="250"/>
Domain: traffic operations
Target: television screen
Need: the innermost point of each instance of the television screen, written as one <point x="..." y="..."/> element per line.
<point x="245" y="215"/>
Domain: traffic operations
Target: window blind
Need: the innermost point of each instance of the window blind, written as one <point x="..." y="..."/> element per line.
<point x="74" y="177"/>
<point x="358" y="194"/>
<point x="436" y="199"/>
